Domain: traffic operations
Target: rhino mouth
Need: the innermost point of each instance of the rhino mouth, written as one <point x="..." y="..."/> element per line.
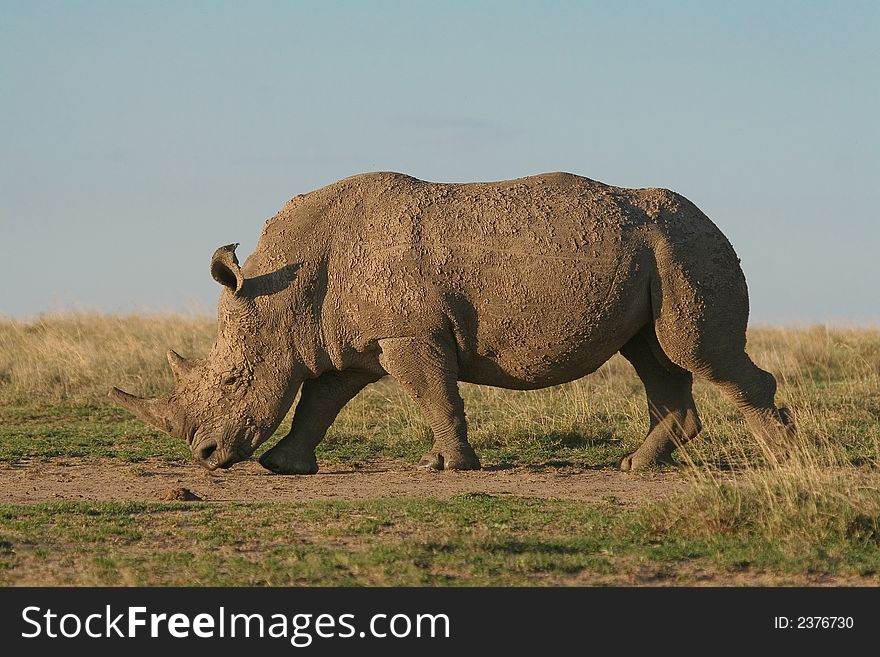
<point x="211" y="455"/>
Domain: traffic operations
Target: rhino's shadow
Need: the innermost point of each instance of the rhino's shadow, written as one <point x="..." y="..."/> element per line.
<point x="271" y="283"/>
<point x="353" y="470"/>
<point x="566" y="440"/>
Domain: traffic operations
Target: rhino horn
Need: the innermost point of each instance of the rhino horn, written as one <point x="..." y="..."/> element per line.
<point x="180" y="366"/>
<point x="156" y="412"/>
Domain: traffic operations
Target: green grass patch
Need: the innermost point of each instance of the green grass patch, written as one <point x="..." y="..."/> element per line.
<point x="471" y="539"/>
<point x="44" y="432"/>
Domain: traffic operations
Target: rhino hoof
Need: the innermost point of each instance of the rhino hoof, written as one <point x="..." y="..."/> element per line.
<point x="280" y="464"/>
<point x="626" y="464"/>
<point x="635" y="463"/>
<point x="450" y="461"/>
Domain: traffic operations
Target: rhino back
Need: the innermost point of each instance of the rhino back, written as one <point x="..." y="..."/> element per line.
<point x="541" y="279"/>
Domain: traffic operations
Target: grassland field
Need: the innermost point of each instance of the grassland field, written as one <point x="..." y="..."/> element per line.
<point x="726" y="516"/>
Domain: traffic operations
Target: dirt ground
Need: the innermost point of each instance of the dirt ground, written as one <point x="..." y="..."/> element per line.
<point x="154" y="480"/>
<point x="89" y="479"/>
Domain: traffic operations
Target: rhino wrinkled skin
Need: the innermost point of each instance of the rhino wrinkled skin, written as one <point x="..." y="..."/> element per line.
<point x="519" y="284"/>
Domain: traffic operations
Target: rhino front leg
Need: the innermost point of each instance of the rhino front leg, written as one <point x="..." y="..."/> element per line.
<point x="428" y="371"/>
<point x="319" y="404"/>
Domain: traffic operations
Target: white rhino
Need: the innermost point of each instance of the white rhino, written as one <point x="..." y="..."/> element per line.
<point x="519" y="284"/>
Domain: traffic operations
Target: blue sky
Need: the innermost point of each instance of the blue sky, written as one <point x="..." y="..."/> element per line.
<point x="136" y="137"/>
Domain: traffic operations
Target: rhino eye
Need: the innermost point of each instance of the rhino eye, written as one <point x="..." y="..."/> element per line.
<point x="230" y="380"/>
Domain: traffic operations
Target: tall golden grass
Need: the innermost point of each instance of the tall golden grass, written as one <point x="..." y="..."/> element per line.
<point x="76" y="358"/>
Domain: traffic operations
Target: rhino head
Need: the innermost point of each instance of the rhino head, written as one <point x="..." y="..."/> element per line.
<point x="227" y="404"/>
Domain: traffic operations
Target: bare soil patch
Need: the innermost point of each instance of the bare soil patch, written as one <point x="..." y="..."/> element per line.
<point x="106" y="480"/>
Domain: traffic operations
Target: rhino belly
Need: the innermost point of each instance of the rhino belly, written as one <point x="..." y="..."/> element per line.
<point x="564" y="326"/>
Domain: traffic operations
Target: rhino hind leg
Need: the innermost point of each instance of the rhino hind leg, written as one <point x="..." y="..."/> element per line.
<point x="427" y="370"/>
<point x="713" y="347"/>
<point x="671" y="409"/>
<point x="319" y="404"/>
<point x="753" y="390"/>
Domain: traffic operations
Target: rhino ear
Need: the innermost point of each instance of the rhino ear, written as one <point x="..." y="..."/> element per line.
<point x="225" y="269"/>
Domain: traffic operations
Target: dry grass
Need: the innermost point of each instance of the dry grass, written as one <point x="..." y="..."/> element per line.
<point x="75" y="359"/>
<point x="830" y="378"/>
